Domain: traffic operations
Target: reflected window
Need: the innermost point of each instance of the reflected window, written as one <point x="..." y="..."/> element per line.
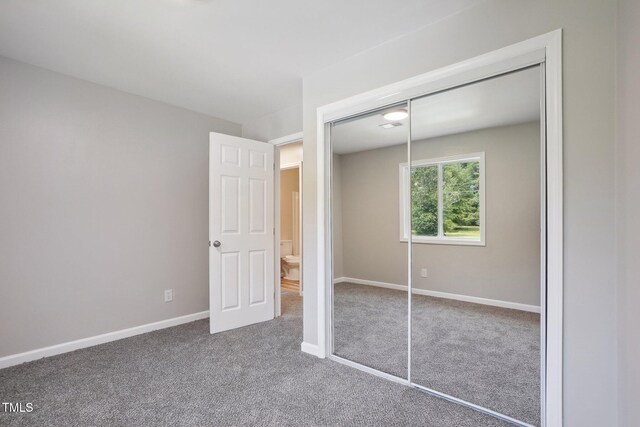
<point x="446" y="200"/>
<point x="424" y="200"/>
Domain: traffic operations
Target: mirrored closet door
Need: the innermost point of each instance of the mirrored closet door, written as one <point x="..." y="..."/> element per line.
<point x="437" y="250"/>
<point x="370" y="310"/>
<point x="475" y="223"/>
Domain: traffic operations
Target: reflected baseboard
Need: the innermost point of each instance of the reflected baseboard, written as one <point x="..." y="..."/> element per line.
<point x="438" y="294"/>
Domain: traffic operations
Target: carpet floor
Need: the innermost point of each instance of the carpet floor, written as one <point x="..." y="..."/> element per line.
<point x="486" y="355"/>
<point x="183" y="376"/>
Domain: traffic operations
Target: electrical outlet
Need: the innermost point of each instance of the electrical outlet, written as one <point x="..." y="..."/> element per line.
<point x="168" y="295"/>
<point x="423" y="272"/>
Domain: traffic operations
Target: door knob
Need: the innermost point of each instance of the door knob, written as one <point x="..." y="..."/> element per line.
<point x="216" y="244"/>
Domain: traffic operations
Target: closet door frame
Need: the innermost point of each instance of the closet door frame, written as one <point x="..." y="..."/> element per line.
<point x="544" y="50"/>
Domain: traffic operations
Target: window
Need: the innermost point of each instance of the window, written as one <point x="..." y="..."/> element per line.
<point x="447" y="200"/>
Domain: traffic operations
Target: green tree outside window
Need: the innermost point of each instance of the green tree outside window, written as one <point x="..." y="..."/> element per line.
<point x="460" y="200"/>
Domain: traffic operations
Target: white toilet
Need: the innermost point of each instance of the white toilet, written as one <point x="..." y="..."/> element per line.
<point x="290" y="264"/>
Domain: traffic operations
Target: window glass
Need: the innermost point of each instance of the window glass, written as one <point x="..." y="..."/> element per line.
<point x="446" y="200"/>
<point x="424" y="200"/>
<point x="461" y="200"/>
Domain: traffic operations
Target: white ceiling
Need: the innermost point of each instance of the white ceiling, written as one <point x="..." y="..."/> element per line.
<point x="506" y="100"/>
<point x="234" y="59"/>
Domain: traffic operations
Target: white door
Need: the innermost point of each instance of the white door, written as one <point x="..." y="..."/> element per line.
<point x="241" y="232"/>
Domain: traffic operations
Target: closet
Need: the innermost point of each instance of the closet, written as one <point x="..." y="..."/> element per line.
<point x="437" y="254"/>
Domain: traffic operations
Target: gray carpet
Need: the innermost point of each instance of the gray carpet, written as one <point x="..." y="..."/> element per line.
<point x="370" y="327"/>
<point x="183" y="376"/>
<point x="486" y="355"/>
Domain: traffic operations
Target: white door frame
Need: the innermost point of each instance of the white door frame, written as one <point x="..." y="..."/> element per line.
<point x="545" y="49"/>
<point x="279" y="143"/>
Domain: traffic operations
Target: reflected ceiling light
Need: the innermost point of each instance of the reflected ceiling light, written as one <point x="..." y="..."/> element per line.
<point x="396" y="114"/>
<point x="390" y="125"/>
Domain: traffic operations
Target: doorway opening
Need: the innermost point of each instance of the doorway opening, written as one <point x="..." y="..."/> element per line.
<point x="288" y="232"/>
<point x="255" y="217"/>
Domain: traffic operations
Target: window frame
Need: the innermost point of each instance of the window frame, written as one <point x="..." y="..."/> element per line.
<point x="405" y="205"/>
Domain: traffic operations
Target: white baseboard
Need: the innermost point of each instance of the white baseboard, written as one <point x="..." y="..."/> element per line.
<point x="310" y="349"/>
<point x="28" y="356"/>
<point x="437" y="294"/>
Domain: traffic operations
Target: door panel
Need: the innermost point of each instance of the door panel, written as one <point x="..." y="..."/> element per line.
<point x="241" y="220"/>
<point x="257" y="277"/>
<point x="369" y="265"/>
<point x="475" y="198"/>
<point x="257" y="205"/>
<point x="230" y="280"/>
<point x="230" y="204"/>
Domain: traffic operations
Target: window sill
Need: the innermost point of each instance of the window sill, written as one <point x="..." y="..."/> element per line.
<point x="441" y="241"/>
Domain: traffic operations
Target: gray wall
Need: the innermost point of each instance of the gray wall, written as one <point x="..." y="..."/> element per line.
<point x="507" y="268"/>
<point x="628" y="209"/>
<point x="103" y="205"/>
<point x="590" y="324"/>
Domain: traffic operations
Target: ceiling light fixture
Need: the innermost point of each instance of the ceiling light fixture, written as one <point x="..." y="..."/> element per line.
<point x="396" y="114"/>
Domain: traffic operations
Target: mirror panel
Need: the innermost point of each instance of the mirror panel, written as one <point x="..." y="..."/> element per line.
<point x="475" y="221"/>
<point x="370" y="304"/>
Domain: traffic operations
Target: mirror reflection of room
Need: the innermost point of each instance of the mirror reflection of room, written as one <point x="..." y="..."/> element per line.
<point x="290" y="217"/>
<point x="475" y="209"/>
<point x="369" y="317"/>
<point x="470" y="204"/>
